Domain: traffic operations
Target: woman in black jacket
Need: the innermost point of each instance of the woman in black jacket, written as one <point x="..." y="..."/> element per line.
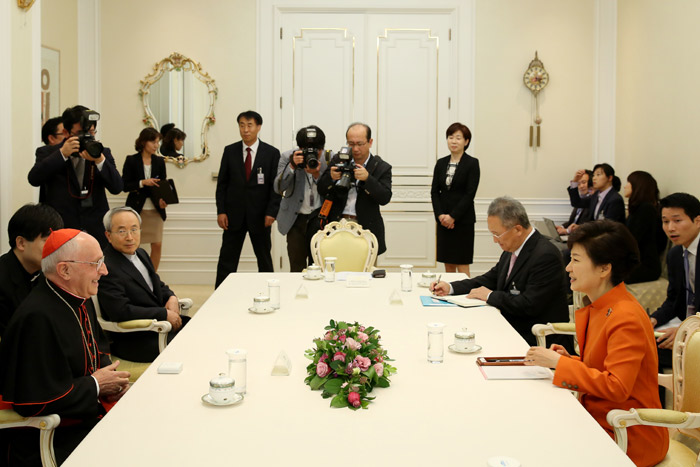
<point x="644" y="221"/>
<point x="455" y="181"/>
<point x="142" y="171"/>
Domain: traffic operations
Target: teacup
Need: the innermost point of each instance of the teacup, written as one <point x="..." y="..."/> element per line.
<point x="464" y="340"/>
<point x="427" y="278"/>
<point x="262" y="303"/>
<point x="221" y="389"/>
<point x="313" y="272"/>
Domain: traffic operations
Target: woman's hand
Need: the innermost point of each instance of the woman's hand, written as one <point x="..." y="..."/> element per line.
<point x="163" y="204"/>
<point x="539" y="356"/>
<point x="560" y="349"/>
<point x="447" y="221"/>
<point x="150" y="182"/>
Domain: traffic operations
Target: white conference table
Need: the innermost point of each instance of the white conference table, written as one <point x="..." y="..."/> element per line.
<point x="433" y="414"/>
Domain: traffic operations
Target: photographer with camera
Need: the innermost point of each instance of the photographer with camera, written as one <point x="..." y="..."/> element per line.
<point x="73" y="175"/>
<point x="297" y="175"/>
<point x="357" y="183"/>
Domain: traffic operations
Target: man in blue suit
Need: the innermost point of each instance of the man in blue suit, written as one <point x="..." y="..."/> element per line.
<point x="297" y="175"/>
<point x="680" y="217"/>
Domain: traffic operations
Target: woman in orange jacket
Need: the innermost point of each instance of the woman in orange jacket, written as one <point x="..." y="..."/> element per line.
<point x="618" y="364"/>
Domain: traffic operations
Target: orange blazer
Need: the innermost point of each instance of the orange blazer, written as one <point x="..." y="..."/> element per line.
<point x="618" y="369"/>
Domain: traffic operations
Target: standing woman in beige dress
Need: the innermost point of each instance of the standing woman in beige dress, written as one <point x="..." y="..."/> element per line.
<point x="142" y="171"/>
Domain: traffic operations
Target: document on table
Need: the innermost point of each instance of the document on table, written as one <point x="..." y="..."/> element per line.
<point x="461" y="300"/>
<point x="343" y="275"/>
<point x="430" y="301"/>
<point x="515" y="372"/>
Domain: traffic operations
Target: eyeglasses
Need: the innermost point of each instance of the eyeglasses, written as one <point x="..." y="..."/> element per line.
<point x="498" y="237"/>
<point x="98" y="264"/>
<point x="353" y="144"/>
<point x="123" y="232"/>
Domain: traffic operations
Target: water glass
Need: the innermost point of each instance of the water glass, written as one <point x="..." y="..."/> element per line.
<point x="436" y="350"/>
<point x="406" y="277"/>
<point x="273" y="290"/>
<point x="237" y="368"/>
<point x="330" y="269"/>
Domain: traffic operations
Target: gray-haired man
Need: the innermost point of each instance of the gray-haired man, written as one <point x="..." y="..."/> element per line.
<point x="528" y="284"/>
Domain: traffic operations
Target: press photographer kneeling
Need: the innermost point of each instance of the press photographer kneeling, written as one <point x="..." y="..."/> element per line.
<point x="356" y="184"/>
<point x="73" y="175"/>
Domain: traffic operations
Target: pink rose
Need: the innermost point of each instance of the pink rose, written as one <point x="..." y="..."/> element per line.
<point x="339" y="356"/>
<point x="322" y="369"/>
<point x="352" y="344"/>
<point x="362" y="329"/>
<point x="362" y="363"/>
<point x="362" y="336"/>
<point x="379" y="368"/>
<point x="348" y="369"/>
<point x="328" y="336"/>
<point x="323" y="358"/>
<point x="354" y="399"/>
<point x="342" y="338"/>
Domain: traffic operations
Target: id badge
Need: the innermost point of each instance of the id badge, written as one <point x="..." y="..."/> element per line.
<point x="261" y="177"/>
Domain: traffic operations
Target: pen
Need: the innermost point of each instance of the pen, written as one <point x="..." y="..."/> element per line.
<point x="437" y="282"/>
<point x="504" y="360"/>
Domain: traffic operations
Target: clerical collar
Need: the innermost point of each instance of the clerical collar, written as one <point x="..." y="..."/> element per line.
<point x="68" y="296"/>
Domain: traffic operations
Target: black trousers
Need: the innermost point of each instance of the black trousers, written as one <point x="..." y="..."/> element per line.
<point x="298" y="247"/>
<point x="230" y="253"/>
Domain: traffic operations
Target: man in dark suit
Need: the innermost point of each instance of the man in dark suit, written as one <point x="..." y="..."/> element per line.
<point x="680" y="217"/>
<point x="20" y="267"/>
<point x="133" y="289"/>
<point x="578" y="215"/>
<point x="73" y="182"/>
<point x="528" y="284"/>
<point x="371" y="185"/>
<point x="246" y="201"/>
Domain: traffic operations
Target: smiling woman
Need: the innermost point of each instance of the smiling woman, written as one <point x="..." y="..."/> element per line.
<point x="618" y="364"/>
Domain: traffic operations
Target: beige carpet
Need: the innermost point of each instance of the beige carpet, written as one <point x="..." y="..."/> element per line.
<point x="198" y="293"/>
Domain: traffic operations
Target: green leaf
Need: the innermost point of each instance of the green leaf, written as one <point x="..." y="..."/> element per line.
<point x="339" y="402"/>
<point x="317" y="382"/>
<point x="342" y="325"/>
<point x="338" y="366"/>
<point x="333" y="385"/>
<point x="383" y="382"/>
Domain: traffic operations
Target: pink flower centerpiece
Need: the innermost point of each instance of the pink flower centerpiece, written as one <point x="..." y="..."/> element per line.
<point x="347" y="363"/>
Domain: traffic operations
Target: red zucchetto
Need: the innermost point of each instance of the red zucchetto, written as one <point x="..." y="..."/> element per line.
<point x="57" y="238"/>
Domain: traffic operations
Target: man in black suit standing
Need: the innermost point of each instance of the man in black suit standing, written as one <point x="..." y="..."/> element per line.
<point x="528" y="284"/>
<point x="246" y="201"/>
<point x="680" y="217"/>
<point x="73" y="182"/>
<point x="133" y="289"/>
<point x="371" y="186"/>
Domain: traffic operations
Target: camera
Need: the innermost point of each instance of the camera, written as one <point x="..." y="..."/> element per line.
<point x="346" y="166"/>
<point x="310" y="140"/>
<point x="87" y="141"/>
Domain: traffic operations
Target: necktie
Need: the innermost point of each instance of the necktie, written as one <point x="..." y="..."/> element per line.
<point x="689" y="294"/>
<point x="79" y="166"/>
<point x="513" y="257"/>
<point x="247" y="164"/>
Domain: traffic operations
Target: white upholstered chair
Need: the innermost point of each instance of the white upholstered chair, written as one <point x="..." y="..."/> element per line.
<point x="45" y="424"/>
<point x="139" y="325"/>
<point x="684" y="420"/>
<point x="355" y="247"/>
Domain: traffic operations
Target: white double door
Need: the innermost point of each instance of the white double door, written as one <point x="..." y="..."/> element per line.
<point x="390" y="69"/>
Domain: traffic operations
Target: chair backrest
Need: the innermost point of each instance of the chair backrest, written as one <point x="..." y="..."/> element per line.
<point x="686" y="370"/>
<point x="355" y="247"/>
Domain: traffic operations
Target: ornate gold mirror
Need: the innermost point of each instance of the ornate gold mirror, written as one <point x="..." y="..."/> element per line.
<point x="178" y="91"/>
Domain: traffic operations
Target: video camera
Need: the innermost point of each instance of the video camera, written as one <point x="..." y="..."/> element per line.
<point x="88" y="143"/>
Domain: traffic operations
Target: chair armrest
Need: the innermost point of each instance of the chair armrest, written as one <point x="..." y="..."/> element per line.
<point x="620" y="420"/>
<point x="185" y="305"/>
<point x="540" y="331"/>
<point x="46" y="425"/>
<point x="666" y="380"/>
<point x="136" y="325"/>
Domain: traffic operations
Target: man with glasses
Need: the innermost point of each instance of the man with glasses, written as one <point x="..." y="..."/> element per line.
<point x="72" y="181"/>
<point x="371" y="185"/>
<point x="52" y="131"/>
<point x="528" y="284"/>
<point x="133" y="289"/>
<point x="54" y="358"/>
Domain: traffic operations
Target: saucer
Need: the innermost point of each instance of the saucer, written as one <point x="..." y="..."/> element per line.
<point x="309" y="278"/>
<point x="421" y="284"/>
<point x="264" y="312"/>
<point x="236" y="399"/>
<point x="476" y="348"/>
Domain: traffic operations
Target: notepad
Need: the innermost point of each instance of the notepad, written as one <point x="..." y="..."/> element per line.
<point x="430" y="301"/>
<point x="461" y="300"/>
<point x="515" y="372"/>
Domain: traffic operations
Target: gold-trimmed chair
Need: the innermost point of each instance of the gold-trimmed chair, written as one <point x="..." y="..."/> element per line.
<point x="139" y="325"/>
<point x="46" y="425"/>
<point x="356" y="248"/>
<point x="684" y="420"/>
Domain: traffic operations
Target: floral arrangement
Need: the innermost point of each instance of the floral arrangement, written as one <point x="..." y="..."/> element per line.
<point x="347" y="363"/>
